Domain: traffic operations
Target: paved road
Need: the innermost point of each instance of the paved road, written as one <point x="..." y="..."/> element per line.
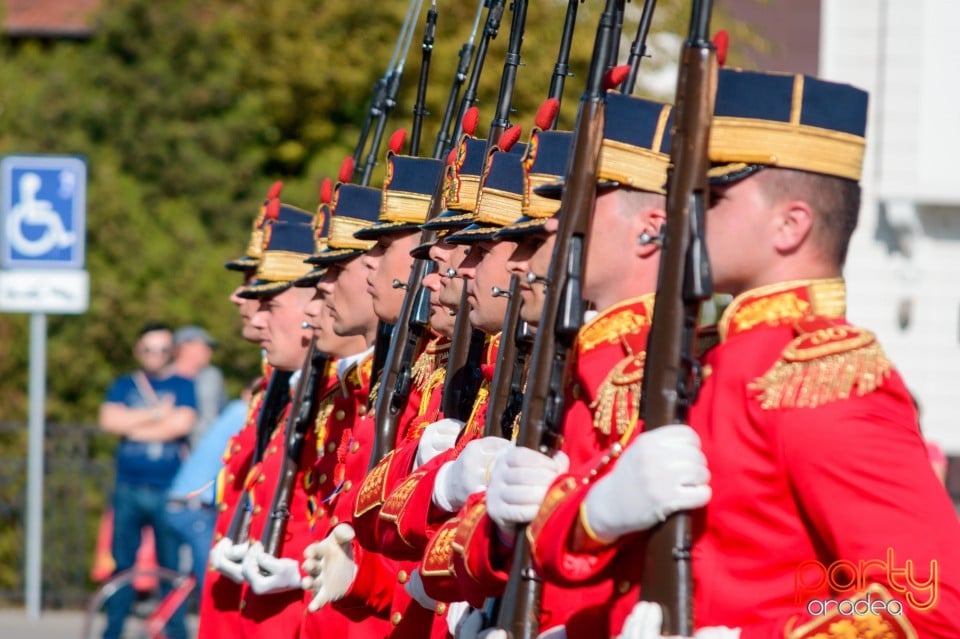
<point x="54" y="624"/>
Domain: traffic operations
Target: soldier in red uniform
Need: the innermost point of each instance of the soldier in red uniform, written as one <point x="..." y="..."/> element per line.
<point x="355" y="580"/>
<point x="220" y="597"/>
<point x="604" y="386"/>
<point x="271" y="601"/>
<point x="810" y="435"/>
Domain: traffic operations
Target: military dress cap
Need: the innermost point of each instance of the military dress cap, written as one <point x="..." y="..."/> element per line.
<point x="354" y="207"/>
<point x="285" y="247"/>
<point x="407" y="192"/>
<point x="463" y="178"/>
<point x="635" y="151"/>
<point x="272" y="209"/>
<point x="321" y="230"/>
<point x="787" y="121"/>
<point x="500" y="201"/>
<point x="545" y="162"/>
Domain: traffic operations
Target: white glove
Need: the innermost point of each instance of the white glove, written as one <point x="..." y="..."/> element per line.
<point x="330" y="567"/>
<point x="436" y="438"/>
<point x="467" y="474"/>
<point x="518" y="483"/>
<point x="414" y="588"/>
<point x="266" y="573"/>
<point x="646" y="619"/>
<point x="457" y="613"/>
<point x="661" y="471"/>
<point x="469" y="625"/>
<point x="227" y="559"/>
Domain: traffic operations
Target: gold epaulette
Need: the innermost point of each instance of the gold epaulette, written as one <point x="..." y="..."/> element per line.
<point x="432" y="359"/>
<point x="821" y="366"/>
<point x="871" y="613"/>
<point x="618" y="397"/>
<point x="320" y="424"/>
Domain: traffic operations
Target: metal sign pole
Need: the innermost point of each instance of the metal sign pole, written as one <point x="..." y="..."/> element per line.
<point x="35" y="454"/>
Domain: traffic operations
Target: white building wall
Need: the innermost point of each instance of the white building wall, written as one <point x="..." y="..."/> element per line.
<point x="905" y="257"/>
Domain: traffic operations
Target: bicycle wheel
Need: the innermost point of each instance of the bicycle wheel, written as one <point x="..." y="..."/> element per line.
<point x="149" y="610"/>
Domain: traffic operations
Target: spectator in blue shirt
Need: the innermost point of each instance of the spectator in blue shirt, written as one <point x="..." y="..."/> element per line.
<point x="153" y="413"/>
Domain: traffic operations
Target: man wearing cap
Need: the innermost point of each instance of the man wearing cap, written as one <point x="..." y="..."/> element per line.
<point x="192" y="351"/>
<point x="338" y="571"/>
<point x="809" y="432"/>
<point x="271" y="599"/>
<point x="221" y="589"/>
<point x="602" y="396"/>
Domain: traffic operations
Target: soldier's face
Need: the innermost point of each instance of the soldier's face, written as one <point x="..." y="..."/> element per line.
<point x="246" y="308"/>
<point x="280" y="319"/>
<point x="389" y="260"/>
<point x="449" y="256"/>
<point x="484" y="268"/>
<point x="441" y="319"/>
<point x="321" y="321"/>
<point x="532" y="255"/>
<point x="345" y="294"/>
<point x="740" y="229"/>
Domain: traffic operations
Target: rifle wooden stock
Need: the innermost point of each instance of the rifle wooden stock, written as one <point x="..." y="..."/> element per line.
<point x="671" y="371"/>
<point x="274" y="401"/>
<point x="561" y="319"/>
<point x="303" y="413"/>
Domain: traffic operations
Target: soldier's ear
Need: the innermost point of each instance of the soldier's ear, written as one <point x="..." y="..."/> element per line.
<point x="650" y="229"/>
<point x="793" y="225"/>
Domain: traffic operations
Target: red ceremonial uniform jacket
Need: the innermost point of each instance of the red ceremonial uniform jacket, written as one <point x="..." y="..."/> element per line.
<point x="602" y="400"/>
<point x="823" y="504"/>
<point x="429" y="371"/>
<point x="220" y="597"/>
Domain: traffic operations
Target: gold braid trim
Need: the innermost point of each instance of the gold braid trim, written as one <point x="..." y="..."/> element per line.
<point x="821" y="367"/>
<point x="618" y="397"/>
<point x="323" y="416"/>
<point x="436" y="379"/>
<point x="425" y="366"/>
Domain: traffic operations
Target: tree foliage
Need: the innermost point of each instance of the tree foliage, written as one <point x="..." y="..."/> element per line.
<point x="186" y="112"/>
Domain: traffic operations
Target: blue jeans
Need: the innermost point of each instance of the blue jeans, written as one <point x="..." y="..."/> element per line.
<point x="193" y="524"/>
<point x="136" y="506"/>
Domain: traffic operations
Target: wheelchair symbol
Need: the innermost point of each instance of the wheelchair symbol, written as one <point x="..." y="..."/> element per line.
<point x="36" y="212"/>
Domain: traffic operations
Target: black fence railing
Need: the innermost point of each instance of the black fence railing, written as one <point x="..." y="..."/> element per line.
<point x="78" y="477"/>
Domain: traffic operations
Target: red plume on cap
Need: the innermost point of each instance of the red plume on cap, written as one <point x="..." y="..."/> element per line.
<point x="547" y="113"/>
<point x="346" y="169"/>
<point x="509" y="138"/>
<point x="397" y="141"/>
<point x="452" y="156"/>
<point x="615" y="76"/>
<point x="470" y="119"/>
<point x="722" y="42"/>
<point x="326" y="191"/>
<point x="273" y="201"/>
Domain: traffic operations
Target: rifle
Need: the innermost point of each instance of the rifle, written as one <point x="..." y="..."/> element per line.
<point x="378" y="99"/>
<point x="561" y="70"/>
<point x="419" y="110"/>
<point x="562" y="317"/>
<point x="671" y="372"/>
<point x="303" y="413"/>
<point x="638" y="49"/>
<point x="274" y="401"/>
<point x="463" y="65"/>
<point x="467" y="345"/>
<point x="490" y="30"/>
<point x="392" y="88"/>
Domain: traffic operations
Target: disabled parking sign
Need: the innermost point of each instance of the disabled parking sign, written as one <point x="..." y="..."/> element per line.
<point x="42" y="212"/>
